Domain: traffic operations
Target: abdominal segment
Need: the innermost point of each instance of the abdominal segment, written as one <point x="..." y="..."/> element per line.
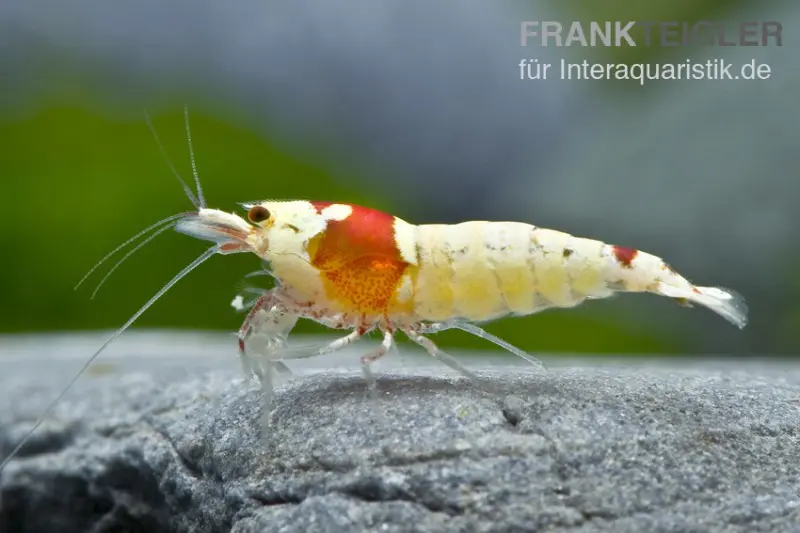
<point x="484" y="270"/>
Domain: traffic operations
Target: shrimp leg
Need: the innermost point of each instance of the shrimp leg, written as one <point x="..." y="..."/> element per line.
<point x="274" y="351"/>
<point x="444" y="357"/>
<point x="268" y="326"/>
<point x="436" y="327"/>
<point x="263" y="303"/>
<point x="450" y="361"/>
<point x="367" y="360"/>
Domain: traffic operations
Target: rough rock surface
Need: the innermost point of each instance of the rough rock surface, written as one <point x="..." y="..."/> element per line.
<point x="584" y="447"/>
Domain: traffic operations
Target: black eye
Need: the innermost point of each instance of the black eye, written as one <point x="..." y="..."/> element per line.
<point x="258" y="213"/>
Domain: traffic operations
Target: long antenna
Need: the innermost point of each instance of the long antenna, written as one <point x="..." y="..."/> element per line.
<point x="110" y="254"/>
<point x="186" y="189"/>
<point x="130" y="253"/>
<point x="200" y="197"/>
<point x="191" y="266"/>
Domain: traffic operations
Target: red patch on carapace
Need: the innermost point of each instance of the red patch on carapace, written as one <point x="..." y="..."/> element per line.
<point x="364" y="232"/>
<point x="359" y="258"/>
<point x="625" y="255"/>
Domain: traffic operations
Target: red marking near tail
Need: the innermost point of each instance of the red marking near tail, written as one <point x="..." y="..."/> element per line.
<point x="625" y="255"/>
<point x="241" y="345"/>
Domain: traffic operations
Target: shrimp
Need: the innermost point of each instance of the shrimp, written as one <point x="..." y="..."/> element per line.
<point x="357" y="269"/>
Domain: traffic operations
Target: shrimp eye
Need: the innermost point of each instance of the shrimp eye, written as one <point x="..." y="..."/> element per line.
<point x="258" y="213"/>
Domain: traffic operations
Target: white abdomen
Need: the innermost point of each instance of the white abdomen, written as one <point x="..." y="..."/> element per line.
<point x="484" y="270"/>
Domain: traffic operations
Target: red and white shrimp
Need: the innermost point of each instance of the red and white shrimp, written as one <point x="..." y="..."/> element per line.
<point x="358" y="269"/>
<point x="355" y="268"/>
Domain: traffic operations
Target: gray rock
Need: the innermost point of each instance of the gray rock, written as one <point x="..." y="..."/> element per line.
<point x="584" y="447"/>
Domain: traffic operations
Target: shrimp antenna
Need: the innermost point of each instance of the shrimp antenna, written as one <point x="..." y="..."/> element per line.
<point x="199" y="197"/>
<point x="113" y="252"/>
<point x="262" y="272"/>
<point x="198" y="200"/>
<point x="191" y="266"/>
<point x="130" y="253"/>
<point x="186" y="189"/>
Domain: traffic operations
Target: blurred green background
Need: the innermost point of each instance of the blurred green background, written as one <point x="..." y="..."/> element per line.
<point x="81" y="173"/>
